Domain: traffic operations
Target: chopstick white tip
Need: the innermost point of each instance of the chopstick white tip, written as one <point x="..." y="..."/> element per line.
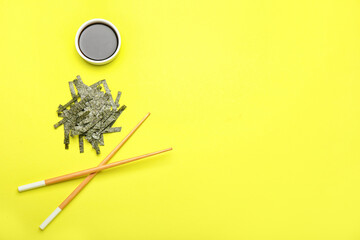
<point x="31" y="186"/>
<point x="50" y="218"/>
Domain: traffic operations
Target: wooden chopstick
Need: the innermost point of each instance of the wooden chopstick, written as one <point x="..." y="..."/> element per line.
<point x="81" y="173"/>
<point x="89" y="177"/>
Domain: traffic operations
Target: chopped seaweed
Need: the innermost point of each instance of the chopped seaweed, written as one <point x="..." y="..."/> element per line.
<point x="89" y="114"/>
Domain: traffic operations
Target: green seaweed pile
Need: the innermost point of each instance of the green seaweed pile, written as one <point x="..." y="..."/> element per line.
<point x="89" y="114"/>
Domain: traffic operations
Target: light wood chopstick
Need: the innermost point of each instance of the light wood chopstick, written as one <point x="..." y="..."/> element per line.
<point x="88" y="178"/>
<point x="81" y="173"/>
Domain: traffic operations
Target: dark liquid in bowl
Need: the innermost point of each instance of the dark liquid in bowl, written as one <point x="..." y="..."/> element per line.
<point x="98" y="42"/>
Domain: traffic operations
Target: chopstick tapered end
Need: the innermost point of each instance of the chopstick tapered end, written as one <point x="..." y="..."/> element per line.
<point x="31" y="186"/>
<point x="50" y="218"/>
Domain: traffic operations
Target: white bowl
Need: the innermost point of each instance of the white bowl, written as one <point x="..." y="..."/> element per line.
<point x="88" y="23"/>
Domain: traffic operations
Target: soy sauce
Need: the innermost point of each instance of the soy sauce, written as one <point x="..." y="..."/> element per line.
<point x="98" y="42"/>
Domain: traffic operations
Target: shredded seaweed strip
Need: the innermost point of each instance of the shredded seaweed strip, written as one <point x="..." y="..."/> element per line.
<point x="89" y="114"/>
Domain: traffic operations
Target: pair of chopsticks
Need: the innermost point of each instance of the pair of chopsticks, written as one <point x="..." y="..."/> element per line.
<point x="91" y="171"/>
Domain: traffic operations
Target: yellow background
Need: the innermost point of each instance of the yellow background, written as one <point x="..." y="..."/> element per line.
<point x="260" y="100"/>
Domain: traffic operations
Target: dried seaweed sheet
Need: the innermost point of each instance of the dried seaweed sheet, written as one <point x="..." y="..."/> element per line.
<point x="92" y="116"/>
